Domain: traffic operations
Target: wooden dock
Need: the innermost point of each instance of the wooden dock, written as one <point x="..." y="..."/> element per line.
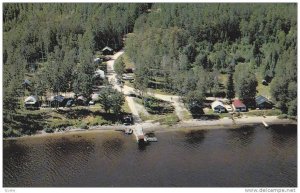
<point x="139" y="134"/>
<point x="265" y="124"/>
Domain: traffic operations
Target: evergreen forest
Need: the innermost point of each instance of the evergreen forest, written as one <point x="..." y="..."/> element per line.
<point x="189" y="48"/>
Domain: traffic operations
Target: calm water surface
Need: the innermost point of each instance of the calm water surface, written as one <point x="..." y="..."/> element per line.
<point x="248" y="157"/>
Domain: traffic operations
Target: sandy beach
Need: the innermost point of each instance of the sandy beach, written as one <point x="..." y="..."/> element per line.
<point x="224" y="123"/>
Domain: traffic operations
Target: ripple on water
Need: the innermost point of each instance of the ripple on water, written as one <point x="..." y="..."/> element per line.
<point x="250" y="156"/>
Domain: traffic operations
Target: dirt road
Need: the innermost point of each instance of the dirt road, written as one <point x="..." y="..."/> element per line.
<point x="112" y="78"/>
<point x="180" y="109"/>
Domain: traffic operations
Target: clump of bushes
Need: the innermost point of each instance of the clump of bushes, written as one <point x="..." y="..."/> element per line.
<point x="272" y="112"/>
<point x="58" y="123"/>
<point x="285" y="116"/>
<point x="156" y="106"/>
<point x="84" y="126"/>
<point x="11" y="133"/>
<point x="97" y="120"/>
<point x="49" y="130"/>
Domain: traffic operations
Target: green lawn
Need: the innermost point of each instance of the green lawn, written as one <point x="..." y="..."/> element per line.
<point x="30" y="121"/>
<point x="262" y="89"/>
<point x="166" y="119"/>
<point x="221" y="115"/>
<point x="169" y="118"/>
<point x="127" y="61"/>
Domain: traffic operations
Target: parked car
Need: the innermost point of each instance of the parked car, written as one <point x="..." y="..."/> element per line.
<point x="128" y="119"/>
<point x="70" y="103"/>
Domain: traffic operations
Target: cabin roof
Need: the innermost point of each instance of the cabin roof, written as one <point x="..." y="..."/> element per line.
<point x="107" y="48"/>
<point x="238" y="103"/>
<point x="31" y="100"/>
<point x="216" y="104"/>
<point x="261" y="99"/>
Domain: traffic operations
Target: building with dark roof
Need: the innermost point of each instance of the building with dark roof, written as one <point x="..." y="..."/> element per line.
<point x="263" y="103"/>
<point x="107" y="51"/>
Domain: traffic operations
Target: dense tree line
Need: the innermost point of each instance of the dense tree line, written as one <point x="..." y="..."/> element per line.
<point x="53" y="45"/>
<point x="189" y="44"/>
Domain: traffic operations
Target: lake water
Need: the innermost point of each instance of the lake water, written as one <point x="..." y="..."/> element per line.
<point x="248" y="157"/>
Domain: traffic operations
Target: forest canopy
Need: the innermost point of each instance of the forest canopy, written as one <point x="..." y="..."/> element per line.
<point x="187" y="45"/>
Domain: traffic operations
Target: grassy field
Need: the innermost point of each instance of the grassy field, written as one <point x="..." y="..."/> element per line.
<point x="262" y="89"/>
<point x="30" y="121"/>
<point x="168" y="118"/>
<point x="220" y="115"/>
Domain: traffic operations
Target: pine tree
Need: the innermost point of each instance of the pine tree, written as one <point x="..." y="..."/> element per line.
<point x="230" y="94"/>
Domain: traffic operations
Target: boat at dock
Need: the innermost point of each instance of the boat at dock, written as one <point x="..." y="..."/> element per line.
<point x="128" y="131"/>
<point x="151" y="139"/>
<point x="139" y="134"/>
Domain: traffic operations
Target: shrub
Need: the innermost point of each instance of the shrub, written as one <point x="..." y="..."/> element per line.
<point x="84" y="126"/>
<point x="11" y="133"/>
<point x="283" y="116"/>
<point x="49" y="130"/>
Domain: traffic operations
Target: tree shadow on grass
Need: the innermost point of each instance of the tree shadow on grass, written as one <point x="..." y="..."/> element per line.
<point x="26" y="123"/>
<point x="75" y="113"/>
<point x="198" y="113"/>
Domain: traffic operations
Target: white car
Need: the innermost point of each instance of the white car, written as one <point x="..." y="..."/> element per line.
<point x="228" y="108"/>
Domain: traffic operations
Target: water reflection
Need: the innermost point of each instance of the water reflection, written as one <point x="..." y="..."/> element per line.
<point x="195" y="137"/>
<point x="112" y="147"/>
<point x="241" y="136"/>
<point x="14" y="151"/>
<point x="69" y="146"/>
<point x="15" y="159"/>
<point x="195" y="158"/>
<point x="283" y="134"/>
<point x="143" y="145"/>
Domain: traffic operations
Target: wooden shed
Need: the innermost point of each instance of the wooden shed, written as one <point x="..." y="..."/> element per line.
<point x="107" y="51"/>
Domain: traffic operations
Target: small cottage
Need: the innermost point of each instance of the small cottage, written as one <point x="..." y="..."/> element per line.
<point x="26" y="84"/>
<point x="56" y="101"/>
<point x="263" y="103"/>
<point x="107" y="51"/>
<point x="31" y="102"/>
<point x="218" y="107"/>
<point x="239" y="106"/>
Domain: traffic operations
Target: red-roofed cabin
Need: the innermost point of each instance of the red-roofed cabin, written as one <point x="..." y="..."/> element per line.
<point x="239" y="106"/>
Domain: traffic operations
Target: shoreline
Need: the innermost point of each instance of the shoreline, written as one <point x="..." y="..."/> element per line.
<point x="224" y="123"/>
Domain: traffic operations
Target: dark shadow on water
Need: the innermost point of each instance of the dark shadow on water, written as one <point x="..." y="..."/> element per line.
<point x="242" y="136"/>
<point x="283" y="134"/>
<point x="112" y="146"/>
<point x="15" y="160"/>
<point x="195" y="137"/>
<point x="14" y="151"/>
<point x="68" y="146"/>
<point x="286" y="130"/>
<point x="143" y="145"/>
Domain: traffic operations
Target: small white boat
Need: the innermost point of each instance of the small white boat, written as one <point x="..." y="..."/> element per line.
<point x="128" y="131"/>
<point x="151" y="139"/>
